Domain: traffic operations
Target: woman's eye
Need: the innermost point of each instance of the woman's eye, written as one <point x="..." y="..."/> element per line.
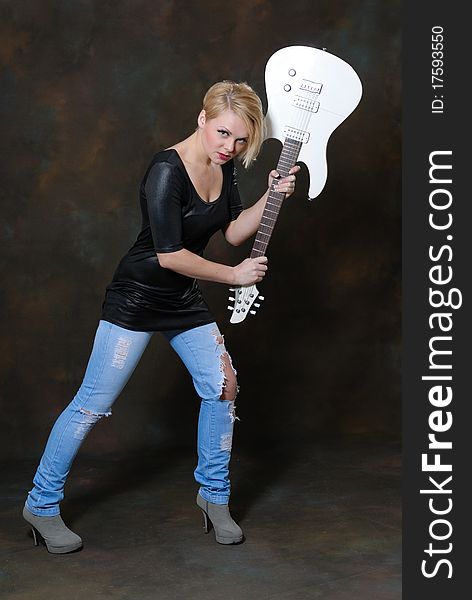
<point x="222" y="131"/>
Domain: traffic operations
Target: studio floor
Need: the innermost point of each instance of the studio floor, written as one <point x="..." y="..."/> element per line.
<point x="321" y="520"/>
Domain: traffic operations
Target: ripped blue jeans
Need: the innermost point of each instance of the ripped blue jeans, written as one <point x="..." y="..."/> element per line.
<point x="115" y="354"/>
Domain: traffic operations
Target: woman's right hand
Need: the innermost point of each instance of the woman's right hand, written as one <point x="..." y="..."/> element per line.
<point x="250" y="271"/>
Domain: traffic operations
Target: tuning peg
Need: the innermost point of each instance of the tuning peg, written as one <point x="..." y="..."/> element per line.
<point x="253" y="312"/>
<point x="230" y="307"/>
<point x="231" y="289"/>
<point x="231" y="299"/>
<point x="261" y="298"/>
<point x="256" y="305"/>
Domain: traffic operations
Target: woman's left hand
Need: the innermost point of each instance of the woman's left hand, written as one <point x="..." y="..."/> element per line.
<point x="285" y="185"/>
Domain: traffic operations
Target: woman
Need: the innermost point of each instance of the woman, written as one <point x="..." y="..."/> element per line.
<point x="188" y="193"/>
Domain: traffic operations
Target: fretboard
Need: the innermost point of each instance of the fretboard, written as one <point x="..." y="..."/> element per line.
<point x="288" y="158"/>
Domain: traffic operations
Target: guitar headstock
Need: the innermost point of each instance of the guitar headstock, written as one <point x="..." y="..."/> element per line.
<point x="244" y="302"/>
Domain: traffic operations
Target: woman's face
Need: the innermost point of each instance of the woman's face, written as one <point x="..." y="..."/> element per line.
<point x="223" y="137"/>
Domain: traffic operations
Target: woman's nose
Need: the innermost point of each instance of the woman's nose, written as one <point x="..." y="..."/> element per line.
<point x="229" y="145"/>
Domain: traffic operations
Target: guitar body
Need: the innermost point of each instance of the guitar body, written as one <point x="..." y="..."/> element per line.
<point x="340" y="91"/>
<point x="310" y="92"/>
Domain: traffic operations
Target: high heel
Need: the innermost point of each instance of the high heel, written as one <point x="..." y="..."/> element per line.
<point x="58" y="538"/>
<point x="36" y="534"/>
<point x="206" y="523"/>
<point x="227" y="531"/>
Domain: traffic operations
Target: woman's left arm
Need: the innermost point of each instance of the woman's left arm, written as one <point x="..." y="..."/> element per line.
<point x="247" y="223"/>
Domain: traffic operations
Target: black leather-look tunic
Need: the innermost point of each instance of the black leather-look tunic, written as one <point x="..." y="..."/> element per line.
<point x="143" y="296"/>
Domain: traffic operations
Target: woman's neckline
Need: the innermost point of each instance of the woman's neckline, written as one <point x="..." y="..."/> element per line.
<point x="193" y="185"/>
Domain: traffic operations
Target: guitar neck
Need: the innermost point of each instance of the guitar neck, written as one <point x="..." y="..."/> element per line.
<point x="288" y="158"/>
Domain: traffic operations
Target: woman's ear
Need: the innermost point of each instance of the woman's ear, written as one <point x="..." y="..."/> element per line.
<point x="201" y="119"/>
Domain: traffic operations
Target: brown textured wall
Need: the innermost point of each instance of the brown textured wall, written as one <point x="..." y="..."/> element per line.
<point x="89" y="91"/>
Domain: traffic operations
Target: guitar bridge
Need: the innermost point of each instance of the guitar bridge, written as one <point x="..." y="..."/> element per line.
<point x="297" y="135"/>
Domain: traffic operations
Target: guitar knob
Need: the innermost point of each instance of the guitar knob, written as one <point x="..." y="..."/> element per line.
<point x="287" y="87"/>
<point x="253" y="312"/>
<point x="292" y="72"/>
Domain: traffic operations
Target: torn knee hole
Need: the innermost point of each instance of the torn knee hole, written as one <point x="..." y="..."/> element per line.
<point x="229" y="384"/>
<point x="87" y="420"/>
<point x="229" y="389"/>
<point x="96" y="415"/>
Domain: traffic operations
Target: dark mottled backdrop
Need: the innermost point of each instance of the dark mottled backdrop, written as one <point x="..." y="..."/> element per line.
<point x="89" y="91"/>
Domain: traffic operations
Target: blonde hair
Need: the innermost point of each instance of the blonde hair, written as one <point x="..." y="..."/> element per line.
<point x="244" y="102"/>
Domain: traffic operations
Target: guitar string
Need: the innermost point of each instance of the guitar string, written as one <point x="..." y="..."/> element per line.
<point x="275" y="199"/>
<point x="289" y="154"/>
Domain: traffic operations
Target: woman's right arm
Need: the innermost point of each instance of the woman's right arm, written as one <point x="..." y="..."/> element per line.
<point x="248" y="272"/>
<point x="165" y="187"/>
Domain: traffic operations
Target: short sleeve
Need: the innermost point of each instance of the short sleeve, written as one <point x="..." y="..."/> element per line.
<point x="164" y="189"/>
<point x="236" y="207"/>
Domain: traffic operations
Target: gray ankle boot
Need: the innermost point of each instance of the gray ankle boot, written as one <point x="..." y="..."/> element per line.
<point x="59" y="538"/>
<point x="227" y="531"/>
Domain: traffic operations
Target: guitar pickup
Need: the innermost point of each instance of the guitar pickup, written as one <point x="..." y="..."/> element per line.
<point x="298" y="135"/>
<point x="310" y="86"/>
<point x="306" y="104"/>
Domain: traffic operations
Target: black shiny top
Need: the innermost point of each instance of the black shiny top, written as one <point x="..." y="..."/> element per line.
<point x="143" y="296"/>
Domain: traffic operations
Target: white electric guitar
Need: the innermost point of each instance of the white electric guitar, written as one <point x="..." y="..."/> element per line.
<point x="310" y="92"/>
